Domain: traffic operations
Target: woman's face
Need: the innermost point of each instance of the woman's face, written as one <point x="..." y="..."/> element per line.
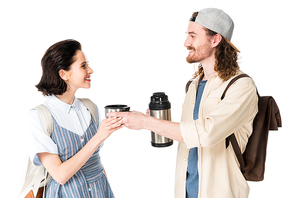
<point x="79" y="74"/>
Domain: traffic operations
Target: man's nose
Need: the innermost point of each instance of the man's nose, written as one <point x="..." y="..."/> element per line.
<point x="187" y="42"/>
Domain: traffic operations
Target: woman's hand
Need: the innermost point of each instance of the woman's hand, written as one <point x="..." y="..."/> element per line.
<point x="108" y="126"/>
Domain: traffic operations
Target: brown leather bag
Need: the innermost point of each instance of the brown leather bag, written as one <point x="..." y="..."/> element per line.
<point x="39" y="193"/>
<point x="252" y="161"/>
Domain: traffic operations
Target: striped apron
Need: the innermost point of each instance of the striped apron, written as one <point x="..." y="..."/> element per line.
<point x="90" y="181"/>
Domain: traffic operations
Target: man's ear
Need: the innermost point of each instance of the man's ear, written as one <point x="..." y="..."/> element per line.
<point x="216" y="40"/>
<point x="63" y="74"/>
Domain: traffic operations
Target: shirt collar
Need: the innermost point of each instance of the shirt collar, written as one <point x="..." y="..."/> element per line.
<point x="197" y="79"/>
<point x="57" y="103"/>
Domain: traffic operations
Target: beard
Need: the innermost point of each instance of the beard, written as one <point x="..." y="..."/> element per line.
<point x="201" y="53"/>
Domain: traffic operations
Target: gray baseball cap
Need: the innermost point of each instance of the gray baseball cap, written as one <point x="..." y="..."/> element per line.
<point x="217" y="21"/>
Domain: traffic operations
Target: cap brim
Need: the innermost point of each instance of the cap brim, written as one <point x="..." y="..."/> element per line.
<point x="231" y="44"/>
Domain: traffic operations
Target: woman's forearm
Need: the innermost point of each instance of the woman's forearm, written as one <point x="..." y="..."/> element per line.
<point x="63" y="171"/>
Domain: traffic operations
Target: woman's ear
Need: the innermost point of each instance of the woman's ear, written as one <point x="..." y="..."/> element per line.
<point x="63" y="74"/>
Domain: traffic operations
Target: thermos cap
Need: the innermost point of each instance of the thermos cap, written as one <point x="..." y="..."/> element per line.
<point x="159" y="101"/>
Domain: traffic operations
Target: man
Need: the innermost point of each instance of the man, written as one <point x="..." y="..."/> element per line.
<point x="205" y="168"/>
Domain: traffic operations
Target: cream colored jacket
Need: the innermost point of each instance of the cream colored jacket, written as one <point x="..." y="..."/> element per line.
<point x="219" y="172"/>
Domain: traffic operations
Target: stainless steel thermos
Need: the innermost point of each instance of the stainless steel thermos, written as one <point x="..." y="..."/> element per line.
<point x="160" y="108"/>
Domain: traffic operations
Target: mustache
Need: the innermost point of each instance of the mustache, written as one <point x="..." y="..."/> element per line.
<point x="190" y="48"/>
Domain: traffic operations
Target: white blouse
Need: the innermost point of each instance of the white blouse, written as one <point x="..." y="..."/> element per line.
<point x="75" y="118"/>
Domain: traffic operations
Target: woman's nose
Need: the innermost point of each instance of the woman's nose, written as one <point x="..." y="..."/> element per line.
<point x="90" y="71"/>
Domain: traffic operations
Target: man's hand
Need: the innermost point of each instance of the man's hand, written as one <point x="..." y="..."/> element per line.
<point x="132" y="120"/>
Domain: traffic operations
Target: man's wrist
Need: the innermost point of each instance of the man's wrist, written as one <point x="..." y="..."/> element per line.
<point x="148" y="122"/>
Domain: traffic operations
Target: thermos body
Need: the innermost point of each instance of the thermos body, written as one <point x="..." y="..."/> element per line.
<point x="160" y="108"/>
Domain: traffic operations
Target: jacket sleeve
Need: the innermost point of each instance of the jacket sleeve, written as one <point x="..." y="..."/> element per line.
<point x="239" y="107"/>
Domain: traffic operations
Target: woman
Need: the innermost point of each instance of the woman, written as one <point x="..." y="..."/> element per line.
<point x="71" y="155"/>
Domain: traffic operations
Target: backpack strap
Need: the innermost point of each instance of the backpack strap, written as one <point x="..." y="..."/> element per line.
<point x="236" y="149"/>
<point x="47" y="122"/>
<point x="233" y="81"/>
<point x="37" y="176"/>
<point x="91" y="107"/>
<point x="187" y="85"/>
<point x="232" y="137"/>
<point x="45" y="118"/>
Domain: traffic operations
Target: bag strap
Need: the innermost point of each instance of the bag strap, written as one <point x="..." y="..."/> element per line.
<point x="236" y="149"/>
<point x="187" y="85"/>
<point x="45" y="118"/>
<point x="91" y="107"/>
<point x="233" y="81"/>
<point x="36" y="176"/>
<point x="232" y="137"/>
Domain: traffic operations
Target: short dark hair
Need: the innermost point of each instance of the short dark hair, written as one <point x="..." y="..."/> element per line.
<point x="59" y="56"/>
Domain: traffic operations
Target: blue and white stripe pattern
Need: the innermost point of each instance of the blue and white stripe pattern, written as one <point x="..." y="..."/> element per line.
<point x="90" y="181"/>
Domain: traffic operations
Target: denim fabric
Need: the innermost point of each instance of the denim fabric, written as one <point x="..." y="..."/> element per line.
<point x="192" y="181"/>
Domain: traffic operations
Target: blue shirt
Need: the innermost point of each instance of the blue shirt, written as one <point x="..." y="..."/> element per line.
<point x="192" y="181"/>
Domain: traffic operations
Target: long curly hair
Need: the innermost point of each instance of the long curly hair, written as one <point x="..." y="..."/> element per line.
<point x="226" y="58"/>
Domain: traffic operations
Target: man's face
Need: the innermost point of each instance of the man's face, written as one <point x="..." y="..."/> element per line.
<point x="198" y="43"/>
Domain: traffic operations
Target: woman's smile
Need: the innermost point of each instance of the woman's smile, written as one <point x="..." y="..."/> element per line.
<point x="87" y="79"/>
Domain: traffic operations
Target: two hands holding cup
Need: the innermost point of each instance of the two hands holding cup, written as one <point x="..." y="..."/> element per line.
<point x="131" y="120"/>
<point x="108" y="126"/>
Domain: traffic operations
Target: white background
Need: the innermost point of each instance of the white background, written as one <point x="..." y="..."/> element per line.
<point x="136" y="48"/>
